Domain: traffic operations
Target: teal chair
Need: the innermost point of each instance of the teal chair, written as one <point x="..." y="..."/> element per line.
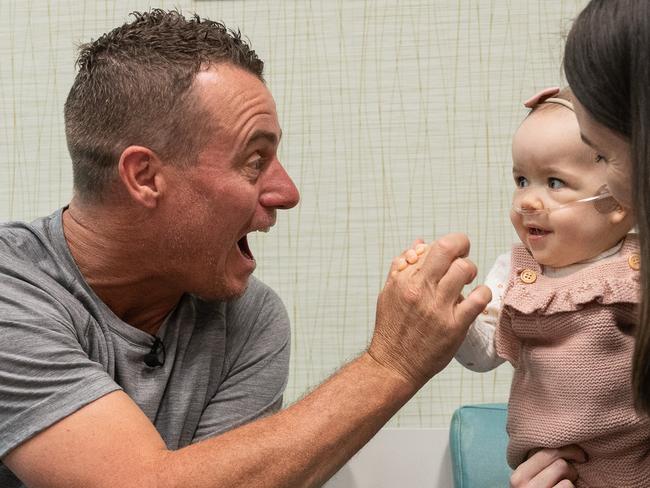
<point x="478" y="441"/>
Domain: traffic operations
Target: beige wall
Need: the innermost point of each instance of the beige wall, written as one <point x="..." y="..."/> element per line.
<point x="397" y="119"/>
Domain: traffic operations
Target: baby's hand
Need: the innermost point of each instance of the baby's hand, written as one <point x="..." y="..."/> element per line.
<point x="412" y="254"/>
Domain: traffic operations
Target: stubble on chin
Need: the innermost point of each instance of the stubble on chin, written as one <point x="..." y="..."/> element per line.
<point x="221" y="291"/>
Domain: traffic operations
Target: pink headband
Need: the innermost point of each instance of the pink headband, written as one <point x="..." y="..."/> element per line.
<point x="547" y="96"/>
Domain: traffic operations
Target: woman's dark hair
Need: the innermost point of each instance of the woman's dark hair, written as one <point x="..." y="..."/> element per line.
<point x="607" y="65"/>
<point x="133" y="88"/>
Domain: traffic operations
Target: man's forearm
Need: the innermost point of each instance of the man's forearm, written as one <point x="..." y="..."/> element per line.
<point x="420" y="324"/>
<point x="303" y="445"/>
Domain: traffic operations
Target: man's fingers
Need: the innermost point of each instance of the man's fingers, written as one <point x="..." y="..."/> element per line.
<point x="442" y="253"/>
<point x="398" y="264"/>
<point x="474" y="304"/>
<point x="461" y="272"/>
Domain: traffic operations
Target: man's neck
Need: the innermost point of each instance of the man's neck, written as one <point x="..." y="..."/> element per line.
<point x="120" y="268"/>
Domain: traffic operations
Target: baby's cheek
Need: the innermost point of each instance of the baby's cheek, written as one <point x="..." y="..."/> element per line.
<point x="518" y="225"/>
<point x="515" y="218"/>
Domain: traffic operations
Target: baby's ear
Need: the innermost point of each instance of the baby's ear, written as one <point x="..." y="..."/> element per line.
<point x="619" y="215"/>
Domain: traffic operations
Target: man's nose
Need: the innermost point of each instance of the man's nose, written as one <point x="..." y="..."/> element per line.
<point x="279" y="189"/>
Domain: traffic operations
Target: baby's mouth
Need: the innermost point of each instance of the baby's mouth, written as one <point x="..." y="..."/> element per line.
<point x="536" y="231"/>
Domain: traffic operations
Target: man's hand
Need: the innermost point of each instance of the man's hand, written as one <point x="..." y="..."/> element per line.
<point x="549" y="468"/>
<point x="421" y="315"/>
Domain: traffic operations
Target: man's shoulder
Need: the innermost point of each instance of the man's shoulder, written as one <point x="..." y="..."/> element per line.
<point x="31" y="242"/>
<point x="34" y="253"/>
<point x="34" y="277"/>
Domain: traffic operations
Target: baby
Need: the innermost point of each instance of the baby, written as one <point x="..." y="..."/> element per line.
<point x="564" y="305"/>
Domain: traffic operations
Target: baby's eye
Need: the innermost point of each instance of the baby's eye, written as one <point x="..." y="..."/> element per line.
<point x="521" y="181"/>
<point x="555" y="183"/>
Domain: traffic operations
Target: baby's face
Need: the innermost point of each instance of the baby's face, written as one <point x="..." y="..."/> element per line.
<point x="552" y="167"/>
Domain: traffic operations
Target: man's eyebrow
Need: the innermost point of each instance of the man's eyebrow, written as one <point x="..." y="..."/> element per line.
<point x="264" y="134"/>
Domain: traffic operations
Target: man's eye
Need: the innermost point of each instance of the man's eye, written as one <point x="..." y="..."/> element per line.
<point x="521" y="181"/>
<point x="555" y="183"/>
<point x="256" y="165"/>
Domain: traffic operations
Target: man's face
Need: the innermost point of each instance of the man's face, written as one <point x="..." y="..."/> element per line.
<point x="233" y="189"/>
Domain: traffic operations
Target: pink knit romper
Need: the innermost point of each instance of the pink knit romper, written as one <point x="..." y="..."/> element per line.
<point x="570" y="341"/>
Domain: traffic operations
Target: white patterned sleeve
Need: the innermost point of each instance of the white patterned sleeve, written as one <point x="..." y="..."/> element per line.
<point x="478" y="352"/>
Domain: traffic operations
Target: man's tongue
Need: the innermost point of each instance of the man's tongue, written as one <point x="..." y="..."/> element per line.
<point x="243" y="247"/>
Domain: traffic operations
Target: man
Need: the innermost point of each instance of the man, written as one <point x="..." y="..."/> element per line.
<point x="137" y="349"/>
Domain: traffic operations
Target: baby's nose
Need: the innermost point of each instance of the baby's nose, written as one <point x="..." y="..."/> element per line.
<point x="528" y="201"/>
<point x="531" y="201"/>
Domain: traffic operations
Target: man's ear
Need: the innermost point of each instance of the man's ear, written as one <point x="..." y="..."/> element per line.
<point x="139" y="169"/>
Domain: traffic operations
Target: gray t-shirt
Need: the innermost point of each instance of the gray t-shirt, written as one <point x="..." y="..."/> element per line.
<point x="61" y="348"/>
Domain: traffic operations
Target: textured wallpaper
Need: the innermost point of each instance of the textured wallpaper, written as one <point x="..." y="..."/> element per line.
<point x="397" y="119"/>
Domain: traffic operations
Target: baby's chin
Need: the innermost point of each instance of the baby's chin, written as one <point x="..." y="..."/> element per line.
<point x="543" y="259"/>
<point x="560" y="261"/>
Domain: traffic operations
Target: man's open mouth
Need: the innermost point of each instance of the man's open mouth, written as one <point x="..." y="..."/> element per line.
<point x="243" y="247"/>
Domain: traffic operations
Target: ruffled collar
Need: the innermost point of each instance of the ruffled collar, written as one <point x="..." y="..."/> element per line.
<point x="608" y="280"/>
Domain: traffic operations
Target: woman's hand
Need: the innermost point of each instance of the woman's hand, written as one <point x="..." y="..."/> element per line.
<point x="549" y="468"/>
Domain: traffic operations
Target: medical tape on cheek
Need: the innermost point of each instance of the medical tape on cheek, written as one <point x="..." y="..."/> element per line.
<point x="606" y="204"/>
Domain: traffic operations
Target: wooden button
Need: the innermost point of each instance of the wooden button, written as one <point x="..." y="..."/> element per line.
<point x="634" y="261"/>
<point x="528" y="276"/>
